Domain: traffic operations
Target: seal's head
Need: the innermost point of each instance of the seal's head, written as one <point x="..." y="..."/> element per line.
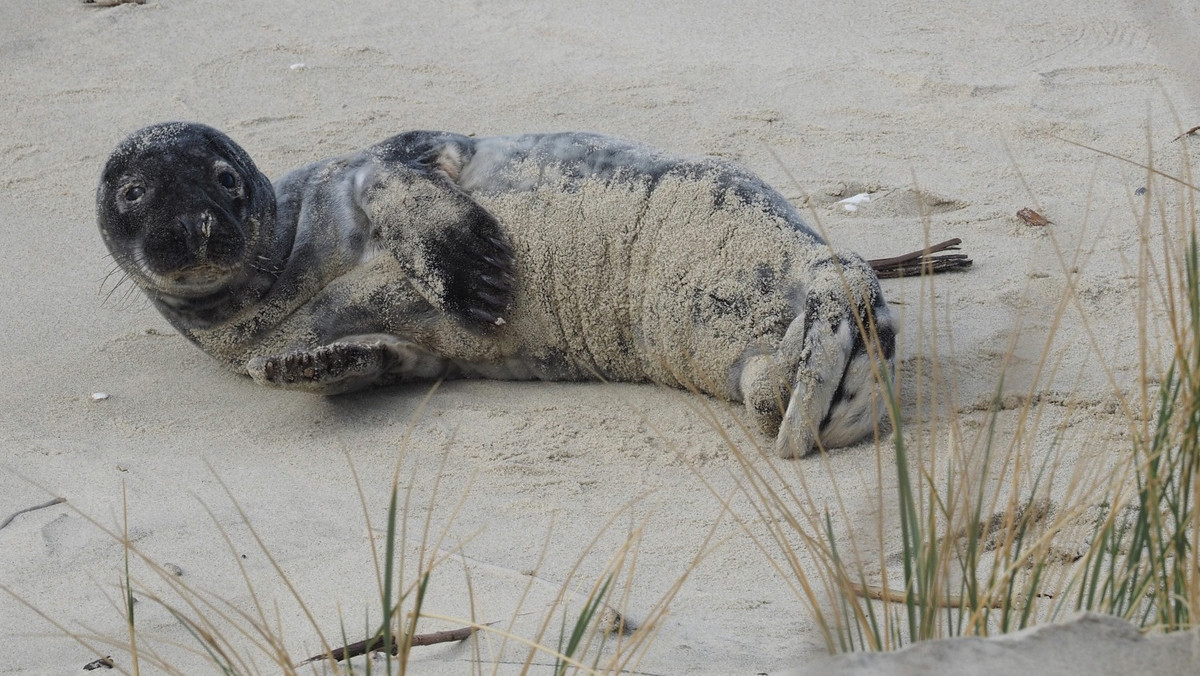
<point x="184" y="210"/>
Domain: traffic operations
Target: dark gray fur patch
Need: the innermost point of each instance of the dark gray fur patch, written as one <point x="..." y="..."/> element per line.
<point x="584" y="156"/>
<point x="421" y="148"/>
<point x="765" y="279"/>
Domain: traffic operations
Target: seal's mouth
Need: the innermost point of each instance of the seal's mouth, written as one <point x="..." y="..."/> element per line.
<point x="194" y="253"/>
<point x="200" y="275"/>
<point x="191" y="281"/>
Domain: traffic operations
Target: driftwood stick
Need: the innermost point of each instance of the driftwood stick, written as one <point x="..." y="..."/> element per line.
<point x="871" y="591"/>
<point x="448" y="636"/>
<point x="19" y="512"/>
<point x="915" y="255"/>
<point x="932" y="265"/>
<point x="376" y="643"/>
<point x="916" y="262"/>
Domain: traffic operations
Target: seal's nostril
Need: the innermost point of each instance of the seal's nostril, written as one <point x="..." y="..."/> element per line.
<point x="197" y="225"/>
<point x="197" y="228"/>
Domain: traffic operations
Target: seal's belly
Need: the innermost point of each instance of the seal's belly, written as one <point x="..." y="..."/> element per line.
<point x="637" y="280"/>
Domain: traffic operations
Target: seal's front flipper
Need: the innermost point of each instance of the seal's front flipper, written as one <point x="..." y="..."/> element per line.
<point x="350" y="364"/>
<point x="455" y="252"/>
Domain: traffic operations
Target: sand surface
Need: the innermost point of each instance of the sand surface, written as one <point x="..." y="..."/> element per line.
<point x="1113" y="648"/>
<point x="950" y="116"/>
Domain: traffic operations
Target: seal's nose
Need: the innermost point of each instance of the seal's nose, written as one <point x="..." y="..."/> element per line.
<point x="197" y="228"/>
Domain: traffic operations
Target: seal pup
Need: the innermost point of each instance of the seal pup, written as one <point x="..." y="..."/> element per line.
<point x="565" y="256"/>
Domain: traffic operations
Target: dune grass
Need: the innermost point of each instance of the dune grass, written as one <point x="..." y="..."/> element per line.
<point x="581" y="632"/>
<point x="995" y="534"/>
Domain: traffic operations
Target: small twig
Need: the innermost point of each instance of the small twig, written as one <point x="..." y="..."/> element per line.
<point x="372" y="644"/>
<point x="916" y="262"/>
<point x="105" y="662"/>
<point x="19" y="512"/>
<point x="1189" y="132"/>
<point x="871" y="591"/>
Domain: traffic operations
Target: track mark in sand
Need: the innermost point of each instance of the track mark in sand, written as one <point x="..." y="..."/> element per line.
<point x="1083" y="76"/>
<point x="1095" y="36"/>
<point x="264" y="120"/>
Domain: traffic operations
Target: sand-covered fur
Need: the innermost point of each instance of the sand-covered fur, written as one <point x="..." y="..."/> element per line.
<point x="557" y="257"/>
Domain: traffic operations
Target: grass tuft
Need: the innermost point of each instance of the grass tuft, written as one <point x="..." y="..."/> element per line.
<point x="988" y="532"/>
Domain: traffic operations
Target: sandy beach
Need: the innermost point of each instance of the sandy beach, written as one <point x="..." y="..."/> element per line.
<point x="951" y="118"/>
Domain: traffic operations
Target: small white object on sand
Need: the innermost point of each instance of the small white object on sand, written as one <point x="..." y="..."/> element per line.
<point x="99" y="396"/>
<point x="851" y="203"/>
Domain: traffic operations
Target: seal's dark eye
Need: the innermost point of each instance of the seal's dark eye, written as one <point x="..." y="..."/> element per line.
<point x="226" y="179"/>
<point x="134" y="193"/>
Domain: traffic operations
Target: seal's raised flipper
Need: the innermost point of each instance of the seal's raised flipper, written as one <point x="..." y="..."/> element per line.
<point x="454" y="251"/>
<point x="349" y="364"/>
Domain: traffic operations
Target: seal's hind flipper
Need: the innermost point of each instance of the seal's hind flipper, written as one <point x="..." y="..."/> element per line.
<point x="840" y="345"/>
<point x="455" y="252"/>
